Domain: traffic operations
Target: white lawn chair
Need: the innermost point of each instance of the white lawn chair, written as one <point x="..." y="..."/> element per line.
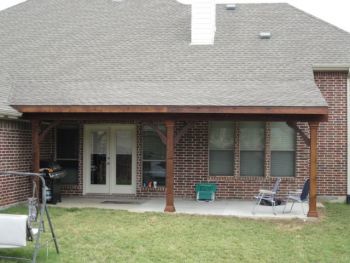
<point x="268" y="195"/>
<point x="300" y="196"/>
<point x="16" y="230"/>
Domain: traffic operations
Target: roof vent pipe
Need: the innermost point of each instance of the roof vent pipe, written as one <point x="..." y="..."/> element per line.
<point x="230" y="7"/>
<point x="265" y="35"/>
<point x="203" y="22"/>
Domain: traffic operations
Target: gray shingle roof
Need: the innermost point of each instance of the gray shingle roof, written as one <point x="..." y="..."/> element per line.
<point x="137" y="52"/>
<point x="5" y="88"/>
<point x="195" y="93"/>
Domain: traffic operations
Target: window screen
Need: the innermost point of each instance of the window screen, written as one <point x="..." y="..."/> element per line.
<point x="252" y="148"/>
<point x="283" y="141"/>
<point x="221" y="148"/>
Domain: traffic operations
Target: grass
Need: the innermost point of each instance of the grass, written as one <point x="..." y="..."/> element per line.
<point x="92" y="235"/>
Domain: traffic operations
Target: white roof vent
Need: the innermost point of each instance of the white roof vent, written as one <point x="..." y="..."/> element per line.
<point x="265" y="35"/>
<point x="230" y="7"/>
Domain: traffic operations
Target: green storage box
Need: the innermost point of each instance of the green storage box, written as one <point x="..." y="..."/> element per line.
<point x="205" y="191"/>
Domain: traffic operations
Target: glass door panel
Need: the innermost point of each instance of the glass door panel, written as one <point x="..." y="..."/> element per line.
<point x="109" y="159"/>
<point x="98" y="157"/>
<point x="123" y="167"/>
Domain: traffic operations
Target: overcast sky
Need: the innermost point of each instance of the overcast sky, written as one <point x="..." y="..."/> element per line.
<point x="336" y="12"/>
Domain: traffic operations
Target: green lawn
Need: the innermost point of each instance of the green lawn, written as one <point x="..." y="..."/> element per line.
<point x="92" y="235"/>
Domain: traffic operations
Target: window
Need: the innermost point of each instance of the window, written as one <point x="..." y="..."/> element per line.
<point x="252" y="148"/>
<point x="67" y="152"/>
<point x="283" y="141"/>
<point x="154" y="154"/>
<point x="221" y="148"/>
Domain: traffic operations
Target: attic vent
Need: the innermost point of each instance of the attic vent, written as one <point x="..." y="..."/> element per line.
<point x="265" y="35"/>
<point x="230" y="7"/>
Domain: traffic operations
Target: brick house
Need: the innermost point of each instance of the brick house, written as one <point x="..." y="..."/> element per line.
<point x="124" y="94"/>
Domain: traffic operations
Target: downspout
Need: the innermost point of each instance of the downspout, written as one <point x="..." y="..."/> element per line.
<point x="348" y="136"/>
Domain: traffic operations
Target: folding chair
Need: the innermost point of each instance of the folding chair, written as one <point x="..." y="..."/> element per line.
<point x="268" y="195"/>
<point x="300" y="196"/>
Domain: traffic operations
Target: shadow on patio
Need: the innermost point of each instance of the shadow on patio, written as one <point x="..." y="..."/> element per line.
<point x="238" y="208"/>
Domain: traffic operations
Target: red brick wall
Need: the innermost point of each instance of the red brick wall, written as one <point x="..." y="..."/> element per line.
<point x="16" y="155"/>
<point x="332" y="145"/>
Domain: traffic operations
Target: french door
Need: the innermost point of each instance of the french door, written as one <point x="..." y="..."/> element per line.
<point x="110" y="159"/>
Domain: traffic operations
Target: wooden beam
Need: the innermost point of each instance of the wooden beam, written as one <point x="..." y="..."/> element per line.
<point x="161" y="135"/>
<point x="302" y="134"/>
<point x="36" y="152"/>
<point x="169" y="182"/>
<point x="160" y="117"/>
<point x="183" y="131"/>
<point x="48" y="128"/>
<point x="313" y="170"/>
<point x="299" y="110"/>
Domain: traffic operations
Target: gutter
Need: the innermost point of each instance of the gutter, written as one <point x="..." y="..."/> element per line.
<point x="331" y="67"/>
<point x="348" y="137"/>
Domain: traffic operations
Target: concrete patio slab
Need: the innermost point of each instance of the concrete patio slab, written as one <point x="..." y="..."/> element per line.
<point x="237" y="208"/>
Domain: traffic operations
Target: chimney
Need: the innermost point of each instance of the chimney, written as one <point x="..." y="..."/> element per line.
<point x="203" y="22"/>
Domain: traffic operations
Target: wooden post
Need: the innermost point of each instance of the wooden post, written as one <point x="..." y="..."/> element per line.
<point x="36" y="152"/>
<point x="313" y="170"/>
<point x="170" y="126"/>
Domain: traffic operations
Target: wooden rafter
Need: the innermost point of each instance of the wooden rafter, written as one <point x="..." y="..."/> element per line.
<point x="161" y="135"/>
<point x="305" y="138"/>
<point x="178" y="136"/>
<point x="183" y="131"/>
<point x="47" y="129"/>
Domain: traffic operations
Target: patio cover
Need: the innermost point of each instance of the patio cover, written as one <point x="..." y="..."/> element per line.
<point x="170" y="93"/>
